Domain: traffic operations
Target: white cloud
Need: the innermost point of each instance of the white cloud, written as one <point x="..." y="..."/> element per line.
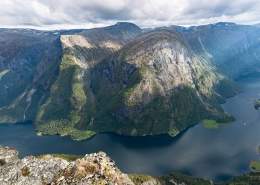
<point x="148" y="13"/>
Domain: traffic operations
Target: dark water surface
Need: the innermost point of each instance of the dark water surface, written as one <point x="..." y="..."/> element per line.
<point x="215" y="154"/>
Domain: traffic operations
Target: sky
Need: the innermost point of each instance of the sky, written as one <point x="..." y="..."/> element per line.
<point x="68" y="14"/>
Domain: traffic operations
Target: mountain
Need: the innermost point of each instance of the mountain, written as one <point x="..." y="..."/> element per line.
<point x="154" y="84"/>
<point x="31" y="64"/>
<point x="233" y="48"/>
<point x="29" y="61"/>
<point x="113" y="79"/>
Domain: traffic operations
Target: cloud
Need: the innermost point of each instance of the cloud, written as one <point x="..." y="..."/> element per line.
<point x="146" y="13"/>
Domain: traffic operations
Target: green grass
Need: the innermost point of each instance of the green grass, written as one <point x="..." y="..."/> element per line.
<point x="255" y="166"/>
<point x="80" y="135"/>
<point x="64" y="129"/>
<point x="210" y="124"/>
<point x="214" y="124"/>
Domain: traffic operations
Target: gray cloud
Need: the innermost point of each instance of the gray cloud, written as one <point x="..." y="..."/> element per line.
<point x="146" y="13"/>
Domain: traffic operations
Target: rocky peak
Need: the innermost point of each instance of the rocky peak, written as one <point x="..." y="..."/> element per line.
<point x="95" y="168"/>
<point x="124" y="26"/>
<point x="127" y="25"/>
<point x="123" y="31"/>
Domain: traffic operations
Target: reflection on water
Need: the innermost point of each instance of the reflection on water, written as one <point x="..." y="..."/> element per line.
<point x="214" y="154"/>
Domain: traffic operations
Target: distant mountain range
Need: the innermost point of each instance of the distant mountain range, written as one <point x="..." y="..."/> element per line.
<point x="121" y="78"/>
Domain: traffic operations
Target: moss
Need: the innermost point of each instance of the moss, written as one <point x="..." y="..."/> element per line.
<point x="255" y="166"/>
<point x="25" y="171"/>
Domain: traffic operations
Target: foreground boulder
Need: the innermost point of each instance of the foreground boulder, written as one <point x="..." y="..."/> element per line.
<point x="95" y="168"/>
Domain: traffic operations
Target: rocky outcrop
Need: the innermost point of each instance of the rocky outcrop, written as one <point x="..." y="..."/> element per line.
<point x="92" y="169"/>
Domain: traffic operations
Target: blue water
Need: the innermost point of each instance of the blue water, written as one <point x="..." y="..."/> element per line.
<point x="215" y="154"/>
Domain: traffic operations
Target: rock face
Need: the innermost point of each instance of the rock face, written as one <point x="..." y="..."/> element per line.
<point x="92" y="169"/>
